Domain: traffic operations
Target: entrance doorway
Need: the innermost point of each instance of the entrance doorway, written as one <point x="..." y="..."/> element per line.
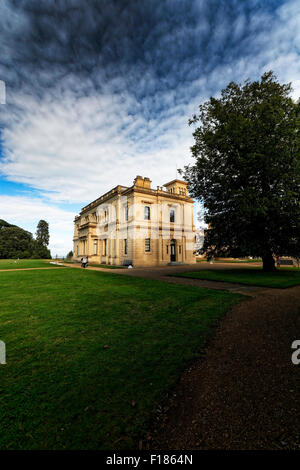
<point x="173" y="250"/>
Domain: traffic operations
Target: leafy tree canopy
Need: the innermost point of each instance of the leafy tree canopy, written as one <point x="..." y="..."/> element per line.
<point x="16" y="242"/>
<point x="42" y="233"/>
<point x="246" y="170"/>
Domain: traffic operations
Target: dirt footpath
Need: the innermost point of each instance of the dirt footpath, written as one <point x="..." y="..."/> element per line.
<point x="244" y="393"/>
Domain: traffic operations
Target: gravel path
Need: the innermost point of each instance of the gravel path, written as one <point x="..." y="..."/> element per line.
<point x="244" y="392"/>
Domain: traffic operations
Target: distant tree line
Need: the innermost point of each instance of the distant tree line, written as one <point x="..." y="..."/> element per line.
<point x="16" y="242"/>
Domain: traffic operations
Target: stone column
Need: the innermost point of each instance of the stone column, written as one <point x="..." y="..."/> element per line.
<point x="117" y="241"/>
<point x="160" y="248"/>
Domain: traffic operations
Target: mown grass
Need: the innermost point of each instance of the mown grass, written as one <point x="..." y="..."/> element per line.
<point x="220" y="260"/>
<point x="282" y="278"/>
<point x="25" y="263"/>
<point x="91" y="354"/>
<point x="105" y="266"/>
<point x="225" y="260"/>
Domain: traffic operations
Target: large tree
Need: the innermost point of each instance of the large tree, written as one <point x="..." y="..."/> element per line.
<point x="18" y="243"/>
<point x="15" y="242"/>
<point x="42" y="240"/>
<point x="247" y="171"/>
<point x="42" y="233"/>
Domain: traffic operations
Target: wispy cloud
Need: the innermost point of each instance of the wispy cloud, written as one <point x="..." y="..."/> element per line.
<point x="98" y="92"/>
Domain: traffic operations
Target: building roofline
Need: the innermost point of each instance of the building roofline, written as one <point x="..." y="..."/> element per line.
<point x="174" y="181"/>
<point x="155" y="192"/>
<point x="126" y="189"/>
<point x="105" y="196"/>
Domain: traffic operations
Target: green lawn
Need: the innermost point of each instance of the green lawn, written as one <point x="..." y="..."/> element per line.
<point x="25" y="263"/>
<point x="284" y="277"/>
<point x="62" y="388"/>
<point x="105" y="266"/>
<point x="220" y="260"/>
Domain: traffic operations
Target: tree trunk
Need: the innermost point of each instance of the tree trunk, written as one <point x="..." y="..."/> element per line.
<point x="268" y="263"/>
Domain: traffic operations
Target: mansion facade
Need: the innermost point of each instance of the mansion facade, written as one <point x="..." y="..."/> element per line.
<point x="137" y="226"/>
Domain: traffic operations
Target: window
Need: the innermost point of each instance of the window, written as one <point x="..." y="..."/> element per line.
<point x="95" y="247"/>
<point x="147" y="244"/>
<point x="147" y="213"/>
<point x="105" y="215"/>
<point x="179" y="249"/>
<point x="126" y="212"/>
<point x="167" y="249"/>
<point x="105" y="247"/>
<point x="77" y="249"/>
<point x="172" y="215"/>
<point x="125" y="246"/>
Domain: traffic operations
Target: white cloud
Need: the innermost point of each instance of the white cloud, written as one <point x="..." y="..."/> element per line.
<point x="74" y="148"/>
<point x="80" y="140"/>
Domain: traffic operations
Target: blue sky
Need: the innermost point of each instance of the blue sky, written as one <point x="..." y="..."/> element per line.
<point x="100" y="91"/>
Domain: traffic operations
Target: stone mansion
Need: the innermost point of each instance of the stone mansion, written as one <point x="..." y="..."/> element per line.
<point x="137" y="225"/>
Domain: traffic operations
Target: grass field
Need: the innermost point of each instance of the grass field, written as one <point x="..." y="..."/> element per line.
<point x="225" y="260"/>
<point x="91" y="354"/>
<point x="105" y="266"/>
<point x="220" y="260"/>
<point x="284" y="277"/>
<point x="25" y="263"/>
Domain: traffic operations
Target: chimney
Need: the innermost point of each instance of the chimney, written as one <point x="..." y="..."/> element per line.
<point x="143" y="182"/>
<point x="147" y="183"/>
<point x="138" y="181"/>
